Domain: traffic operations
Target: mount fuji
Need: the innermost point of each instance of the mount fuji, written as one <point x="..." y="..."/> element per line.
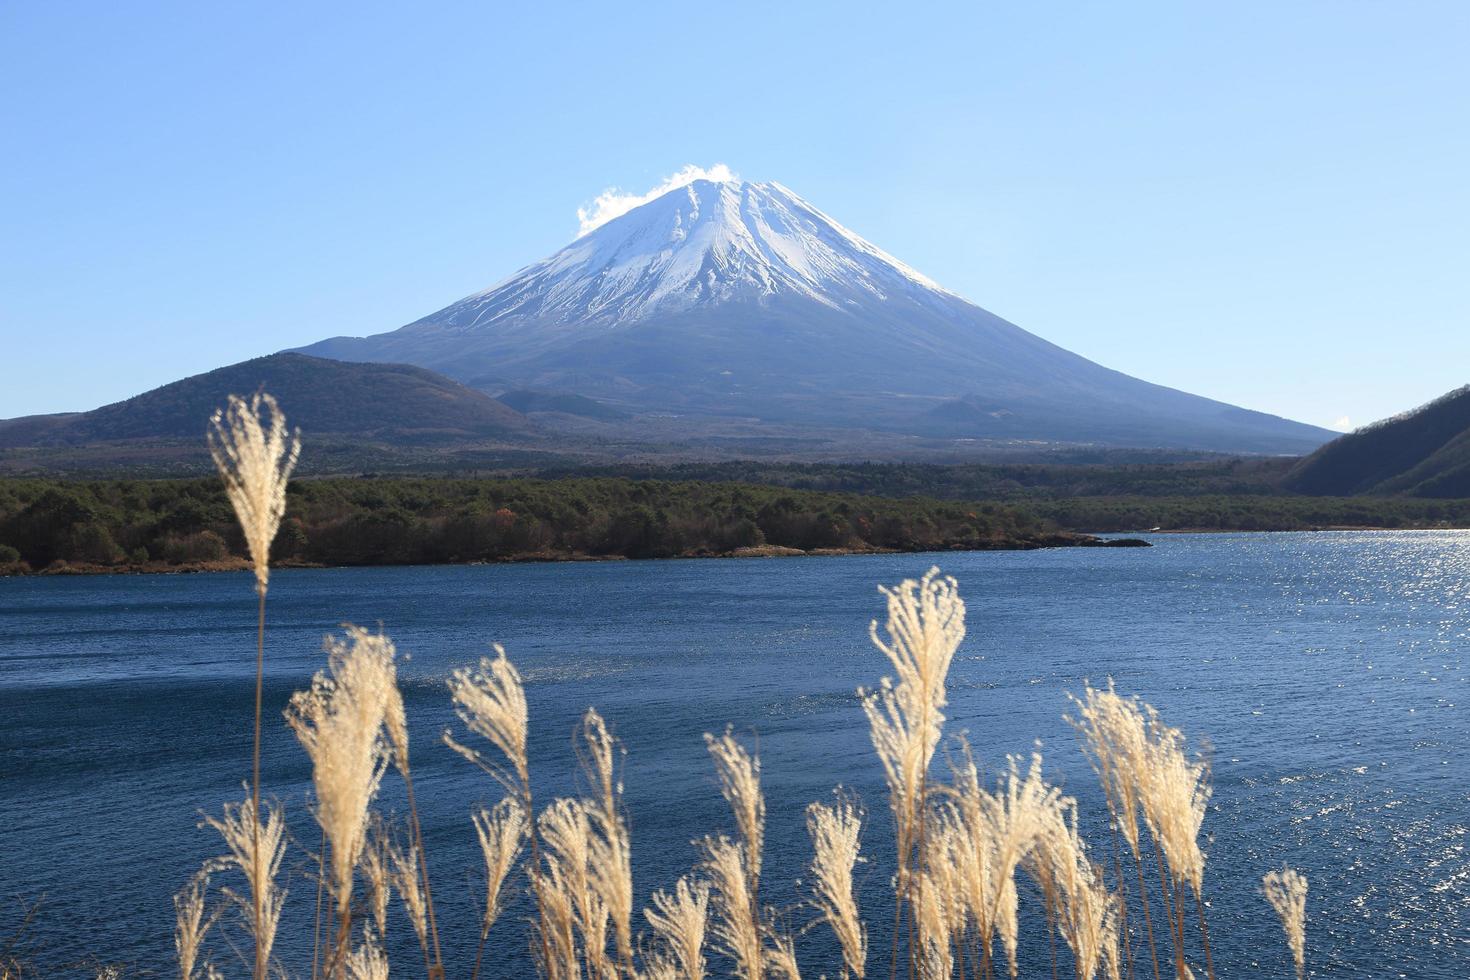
<point x="737" y="307"/>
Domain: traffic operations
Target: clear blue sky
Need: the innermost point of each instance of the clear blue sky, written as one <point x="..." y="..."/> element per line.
<point x="1264" y="202"/>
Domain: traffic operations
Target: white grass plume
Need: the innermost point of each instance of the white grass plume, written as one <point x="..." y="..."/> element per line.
<point x="339" y="722"/>
<point x="1286" y="890"/>
<point x="191" y="923"/>
<point x="403" y="868"/>
<point x="566" y="900"/>
<point x="835" y="832"/>
<point x="566" y="833"/>
<point x="255" y="457"/>
<point x="966" y="823"/>
<point x="735" y="924"/>
<point x="256" y="850"/>
<point x="1175" y="798"/>
<point x="500" y="831"/>
<point x="1018" y="814"/>
<point x="1114" y="737"/>
<point x="609" y="846"/>
<point x="679" y="920"/>
<point x="1085" y="911"/>
<point x="925" y="625"/>
<point x="377" y="872"/>
<point x="781" y="959"/>
<point x="368" y="961"/>
<point x="740" y="784"/>
<point x="491" y="700"/>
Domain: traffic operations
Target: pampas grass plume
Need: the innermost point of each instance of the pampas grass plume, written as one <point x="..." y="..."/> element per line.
<point x="491" y="700"/>
<point x="255" y="457"/>
<point x="679" y="920"/>
<point x="835" y="831"/>
<point x="191" y="924"/>
<point x="339" y="721"/>
<point x="256" y="848"/>
<point x="1286" y="890"/>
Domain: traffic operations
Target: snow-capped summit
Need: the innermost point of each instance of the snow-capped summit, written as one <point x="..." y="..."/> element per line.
<point x="707" y="242"/>
<point x="738" y="301"/>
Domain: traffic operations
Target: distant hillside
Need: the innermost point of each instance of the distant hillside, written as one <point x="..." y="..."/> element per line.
<point x="526" y="401"/>
<point x="392" y="403"/>
<point x="1423" y="453"/>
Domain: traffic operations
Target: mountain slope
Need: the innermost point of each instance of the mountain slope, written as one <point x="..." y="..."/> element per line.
<point x="393" y="403"/>
<point x="724" y="301"/>
<point x="1423" y="453"/>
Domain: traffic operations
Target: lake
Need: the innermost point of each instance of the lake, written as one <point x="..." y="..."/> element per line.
<point x="1327" y="671"/>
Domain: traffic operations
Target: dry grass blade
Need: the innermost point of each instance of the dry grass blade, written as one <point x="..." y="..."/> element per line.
<point x="256" y="850"/>
<point x="679" y="921"/>
<point x="656" y="966"/>
<point x="491" y="701"/>
<point x="1286" y="890"/>
<point x="557" y="923"/>
<point x="835" y="832"/>
<point x="255" y="456"/>
<point x="567" y="835"/>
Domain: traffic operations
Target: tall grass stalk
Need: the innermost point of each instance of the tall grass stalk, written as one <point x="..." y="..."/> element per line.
<point x="255" y="456"/>
<point x="1286" y="890"/>
<point x="340" y="722"/>
<point x="191" y="923"/>
<point x="835" y="832"/>
<point x="610" y="850"/>
<point x="491" y="701"/>
<point x="679" y="920"/>
<point x="500" y="832"/>
<point x="256" y="849"/>
<point x="735" y="868"/>
<point x="925" y="625"/>
<point x="395" y="721"/>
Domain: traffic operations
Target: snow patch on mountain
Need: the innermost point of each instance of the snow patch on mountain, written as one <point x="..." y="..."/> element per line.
<point x="702" y="242"/>
<point x="613" y="202"/>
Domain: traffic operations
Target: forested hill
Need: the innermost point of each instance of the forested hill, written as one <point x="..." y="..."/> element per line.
<point x="160" y="523"/>
<point x="1423" y="453"/>
<point x="388" y="402"/>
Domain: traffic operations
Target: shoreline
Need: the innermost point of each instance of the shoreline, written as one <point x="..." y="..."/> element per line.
<point x="1064" y="539"/>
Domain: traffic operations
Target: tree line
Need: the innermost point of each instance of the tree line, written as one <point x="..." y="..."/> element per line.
<point x="385" y="521"/>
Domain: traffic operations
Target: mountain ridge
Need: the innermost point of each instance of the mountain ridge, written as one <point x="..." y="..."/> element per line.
<point x="1424" y="452"/>
<point x="389" y="402"/>
<point x="724" y="300"/>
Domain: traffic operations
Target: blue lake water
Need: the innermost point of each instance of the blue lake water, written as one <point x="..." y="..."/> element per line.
<point x="1328" y="671"/>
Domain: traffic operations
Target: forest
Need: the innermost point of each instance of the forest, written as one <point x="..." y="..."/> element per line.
<point x="381" y="521"/>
